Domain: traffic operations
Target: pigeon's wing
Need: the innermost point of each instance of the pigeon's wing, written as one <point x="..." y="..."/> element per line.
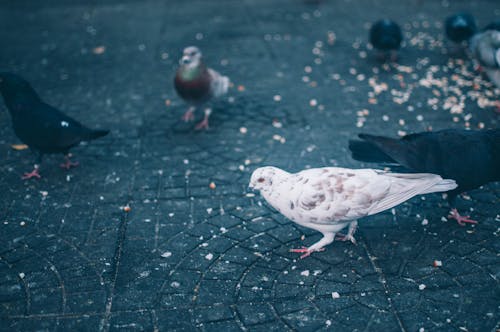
<point x="219" y="84"/>
<point x="334" y="194"/>
<point x="50" y="129"/>
<point x="450" y="153"/>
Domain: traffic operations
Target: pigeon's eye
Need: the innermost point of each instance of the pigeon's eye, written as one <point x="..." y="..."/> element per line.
<point x="260" y="180"/>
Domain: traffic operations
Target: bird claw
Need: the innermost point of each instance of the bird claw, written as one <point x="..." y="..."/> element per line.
<point x="188" y="116"/>
<point x="347" y="237"/>
<point x="306" y="251"/>
<point x="202" y="124"/>
<point x="33" y="174"/>
<point x="69" y="164"/>
<point x="461" y="220"/>
<point x="303" y="249"/>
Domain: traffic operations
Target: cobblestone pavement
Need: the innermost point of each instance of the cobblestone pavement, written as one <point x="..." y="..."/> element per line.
<point x="189" y="257"/>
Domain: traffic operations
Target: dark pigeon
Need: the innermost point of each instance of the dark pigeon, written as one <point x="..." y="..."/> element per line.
<point x="460" y="27"/>
<point x="42" y="127"/>
<point x="471" y="158"/>
<point x="197" y="84"/>
<point x="386" y="36"/>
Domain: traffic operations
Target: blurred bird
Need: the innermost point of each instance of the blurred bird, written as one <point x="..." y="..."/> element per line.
<point x="471" y="158"/>
<point x="197" y="84"/>
<point x="495" y="25"/>
<point x="460" y="27"/>
<point x="331" y="198"/>
<point x="485" y="47"/>
<point x="42" y="127"/>
<point x="386" y="37"/>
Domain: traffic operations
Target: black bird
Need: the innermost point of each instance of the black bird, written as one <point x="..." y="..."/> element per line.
<point x="460" y="27"/>
<point x="386" y="36"/>
<point x="42" y="127"/>
<point x="471" y="158"/>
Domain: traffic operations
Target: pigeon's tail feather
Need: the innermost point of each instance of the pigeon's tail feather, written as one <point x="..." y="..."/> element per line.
<point x="407" y="185"/>
<point x="220" y="84"/>
<point x="374" y="148"/>
<point x="95" y="134"/>
<point x="443" y="185"/>
<point x="368" y="152"/>
<point x="494" y="76"/>
<point x="401" y="151"/>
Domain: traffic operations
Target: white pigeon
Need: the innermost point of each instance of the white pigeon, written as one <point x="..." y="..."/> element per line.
<point x="329" y="199"/>
<point x="485" y="47"/>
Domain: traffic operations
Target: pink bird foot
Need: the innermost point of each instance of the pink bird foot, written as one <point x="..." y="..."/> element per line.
<point x="460" y="219"/>
<point x="33" y="174"/>
<point x="202" y="125"/>
<point x="347" y="237"/>
<point x="306" y="251"/>
<point x="189" y="115"/>
<point x="353" y="226"/>
<point x="68" y="163"/>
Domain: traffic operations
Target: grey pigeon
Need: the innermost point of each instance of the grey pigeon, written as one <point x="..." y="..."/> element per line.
<point x="197" y="84"/>
<point x="485" y="47"/>
<point x="331" y="198"/>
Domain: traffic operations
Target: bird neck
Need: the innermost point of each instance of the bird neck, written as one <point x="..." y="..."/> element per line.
<point x="191" y="73"/>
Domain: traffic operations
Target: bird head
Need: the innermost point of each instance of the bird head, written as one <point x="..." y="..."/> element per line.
<point x="262" y="178"/>
<point x="191" y="57"/>
<point x="12" y="85"/>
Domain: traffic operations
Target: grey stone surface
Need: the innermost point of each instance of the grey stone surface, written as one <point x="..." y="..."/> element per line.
<point x="187" y="257"/>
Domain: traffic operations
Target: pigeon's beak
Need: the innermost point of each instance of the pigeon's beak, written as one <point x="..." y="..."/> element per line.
<point x="185" y="60"/>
